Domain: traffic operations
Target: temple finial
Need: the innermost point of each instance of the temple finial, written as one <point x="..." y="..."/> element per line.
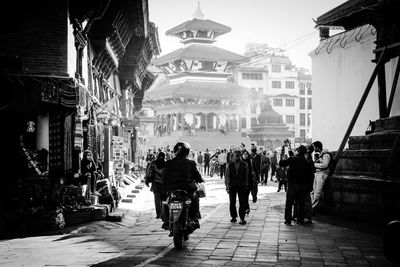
<point x="198" y="14"/>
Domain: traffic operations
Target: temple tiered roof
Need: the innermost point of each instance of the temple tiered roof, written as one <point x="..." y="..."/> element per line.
<point x="200" y="24"/>
<point x="205" y="90"/>
<point x="200" y="52"/>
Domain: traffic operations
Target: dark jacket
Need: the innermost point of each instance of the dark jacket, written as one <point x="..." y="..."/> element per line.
<point x="300" y="170"/>
<point x="256" y="162"/>
<point x="181" y="173"/>
<point x="239" y="177"/>
<point x="207" y="157"/>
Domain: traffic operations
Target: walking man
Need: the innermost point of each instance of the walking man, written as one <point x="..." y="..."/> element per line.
<point x="321" y="173"/>
<point x="265" y="164"/>
<point x="274" y="164"/>
<point x="222" y="158"/>
<point x="236" y="182"/>
<point x="207" y="157"/>
<point x="256" y="159"/>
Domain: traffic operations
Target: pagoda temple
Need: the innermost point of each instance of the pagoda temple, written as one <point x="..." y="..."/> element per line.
<point x="198" y="101"/>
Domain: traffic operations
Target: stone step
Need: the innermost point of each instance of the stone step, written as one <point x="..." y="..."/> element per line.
<point x="364" y="160"/>
<point x="127" y="200"/>
<point x="135" y="191"/>
<point x="378" y="140"/>
<point x="131" y="196"/>
<point x="140" y="187"/>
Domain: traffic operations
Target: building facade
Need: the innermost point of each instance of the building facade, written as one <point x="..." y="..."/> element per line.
<point x="288" y="88"/>
<point x="72" y="73"/>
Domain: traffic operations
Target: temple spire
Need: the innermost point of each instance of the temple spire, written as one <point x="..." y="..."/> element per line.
<point x="198" y="14"/>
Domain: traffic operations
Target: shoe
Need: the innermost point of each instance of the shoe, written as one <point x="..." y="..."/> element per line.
<point x="255" y="200"/>
<point x="233" y="220"/>
<point x="170" y="234"/>
<point x="165" y="226"/>
<point x="278" y="191"/>
<point x="242" y="222"/>
<point x="301" y="222"/>
<point x="288" y="223"/>
<point x="247" y="211"/>
<point x="307" y="221"/>
<point x="185" y="237"/>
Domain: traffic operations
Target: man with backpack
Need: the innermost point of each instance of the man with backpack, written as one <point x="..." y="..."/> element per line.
<point x="322" y="169"/>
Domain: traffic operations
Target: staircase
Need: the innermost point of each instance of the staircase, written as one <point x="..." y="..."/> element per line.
<point x="133" y="186"/>
<point x="366" y="183"/>
<point x="201" y="140"/>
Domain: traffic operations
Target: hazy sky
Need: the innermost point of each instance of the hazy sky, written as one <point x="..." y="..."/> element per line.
<point x="279" y="23"/>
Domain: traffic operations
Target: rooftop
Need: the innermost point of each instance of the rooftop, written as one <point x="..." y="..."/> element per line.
<point x="200" y="24"/>
<point x="205" y="90"/>
<point x="199" y="52"/>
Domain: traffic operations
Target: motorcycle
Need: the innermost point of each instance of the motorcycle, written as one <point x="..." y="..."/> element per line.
<point x="180" y="224"/>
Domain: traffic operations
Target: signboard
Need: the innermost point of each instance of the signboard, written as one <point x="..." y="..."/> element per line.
<point x="118" y="157"/>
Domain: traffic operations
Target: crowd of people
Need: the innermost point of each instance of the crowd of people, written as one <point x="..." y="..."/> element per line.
<point x="300" y="172"/>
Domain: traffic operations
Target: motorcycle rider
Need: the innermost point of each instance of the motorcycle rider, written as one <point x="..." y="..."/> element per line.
<point x="182" y="173"/>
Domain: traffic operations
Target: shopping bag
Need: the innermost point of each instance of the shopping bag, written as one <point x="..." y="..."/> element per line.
<point x="201" y="190"/>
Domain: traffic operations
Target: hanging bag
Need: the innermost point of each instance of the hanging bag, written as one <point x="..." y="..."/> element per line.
<point x="201" y="190"/>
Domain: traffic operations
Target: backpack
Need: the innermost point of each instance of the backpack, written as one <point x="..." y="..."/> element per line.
<point x="331" y="161"/>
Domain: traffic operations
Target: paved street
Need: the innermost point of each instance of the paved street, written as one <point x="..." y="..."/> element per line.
<point x="265" y="241"/>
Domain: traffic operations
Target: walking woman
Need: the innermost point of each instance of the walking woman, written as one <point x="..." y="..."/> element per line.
<point x="155" y="176"/>
<point x="252" y="177"/>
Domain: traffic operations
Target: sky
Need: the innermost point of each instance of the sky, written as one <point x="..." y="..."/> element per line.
<point x="287" y="24"/>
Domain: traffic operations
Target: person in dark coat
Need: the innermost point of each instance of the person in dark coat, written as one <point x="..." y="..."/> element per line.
<point x="157" y="177"/>
<point x="236" y="182"/>
<point x="182" y="173"/>
<point x="88" y="171"/>
<point x="252" y="177"/>
<point x="298" y="182"/>
<point x="256" y="161"/>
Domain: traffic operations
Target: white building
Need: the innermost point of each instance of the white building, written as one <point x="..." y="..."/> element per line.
<point x="288" y="88"/>
<point x="341" y="69"/>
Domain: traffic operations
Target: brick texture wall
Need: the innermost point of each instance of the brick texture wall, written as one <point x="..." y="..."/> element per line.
<point x="36" y="33"/>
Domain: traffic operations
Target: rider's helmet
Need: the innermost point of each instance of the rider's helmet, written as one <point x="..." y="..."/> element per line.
<point x="181" y="149"/>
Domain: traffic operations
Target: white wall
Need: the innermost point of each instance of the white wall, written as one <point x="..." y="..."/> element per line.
<point x="339" y="80"/>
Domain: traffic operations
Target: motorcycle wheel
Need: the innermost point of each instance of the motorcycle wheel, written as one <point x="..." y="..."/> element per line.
<point x="177" y="231"/>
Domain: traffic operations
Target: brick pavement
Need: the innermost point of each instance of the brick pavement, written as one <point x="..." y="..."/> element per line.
<point x="264" y="241"/>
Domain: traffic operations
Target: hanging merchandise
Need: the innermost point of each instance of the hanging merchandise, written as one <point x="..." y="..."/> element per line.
<point x="68" y="143"/>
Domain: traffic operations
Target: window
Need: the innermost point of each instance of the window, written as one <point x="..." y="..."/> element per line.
<point x="308" y="119"/>
<point x="276" y="68"/>
<point x="276" y="84"/>
<point x="302" y="133"/>
<point x="302" y="103"/>
<point x="289" y="84"/>
<point x="289" y="118"/>
<point x="260" y="89"/>
<point x="302" y="119"/>
<point x="252" y="76"/>
<point x="252" y="89"/>
<point x="277" y="102"/>
<point x="309" y="103"/>
<point x="302" y="88"/>
<point x="289" y="102"/>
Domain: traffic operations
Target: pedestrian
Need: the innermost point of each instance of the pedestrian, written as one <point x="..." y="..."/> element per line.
<point x="214" y="166"/>
<point x="321" y="165"/>
<point x="256" y="162"/>
<point x="88" y="173"/>
<point x="308" y="201"/>
<point x="274" y="164"/>
<point x="281" y="177"/>
<point x="207" y="157"/>
<point x="222" y="160"/>
<point x="252" y="179"/>
<point x="265" y="164"/>
<point x="156" y="176"/>
<point x="200" y="161"/>
<point x="168" y="154"/>
<point x="236" y="182"/>
<point x="298" y="172"/>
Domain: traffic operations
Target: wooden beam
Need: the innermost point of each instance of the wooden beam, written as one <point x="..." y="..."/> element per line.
<point x="394" y="85"/>
<point x="382" y="92"/>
